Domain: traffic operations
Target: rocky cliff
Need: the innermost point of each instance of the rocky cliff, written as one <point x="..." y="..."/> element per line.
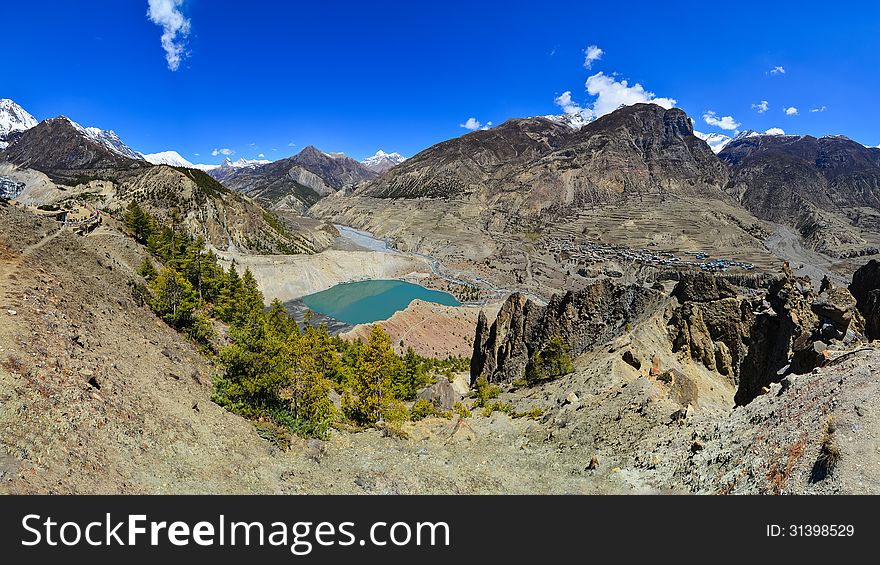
<point x="584" y="319"/>
<point x="865" y="289"/>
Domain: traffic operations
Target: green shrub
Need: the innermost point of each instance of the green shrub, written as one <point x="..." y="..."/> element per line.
<point x="553" y="361"/>
<point x="274" y="434"/>
<point x="396" y="413"/>
<point x="484" y="392"/>
<point x="533" y="414"/>
<point x="421" y="410"/>
<point x="462" y="410"/>
<point x="498" y="406"/>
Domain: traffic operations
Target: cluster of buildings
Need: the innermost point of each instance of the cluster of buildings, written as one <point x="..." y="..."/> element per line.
<point x="591" y="252"/>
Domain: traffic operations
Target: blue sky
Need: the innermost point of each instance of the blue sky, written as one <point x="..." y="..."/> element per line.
<point x="272" y="77"/>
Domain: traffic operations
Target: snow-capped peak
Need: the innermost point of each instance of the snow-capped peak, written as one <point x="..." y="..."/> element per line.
<point x="381" y="161"/>
<point x="13" y="118"/>
<point x="574" y="121"/>
<point x="715" y="141"/>
<point x="172" y="158"/>
<point x="108" y="139"/>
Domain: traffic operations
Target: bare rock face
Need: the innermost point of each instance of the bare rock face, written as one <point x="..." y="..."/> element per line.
<point x="865" y="288"/>
<point x="746" y="340"/>
<point x="583" y="319"/>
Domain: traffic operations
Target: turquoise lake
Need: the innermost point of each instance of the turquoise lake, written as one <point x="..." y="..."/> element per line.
<point x="364" y="302"/>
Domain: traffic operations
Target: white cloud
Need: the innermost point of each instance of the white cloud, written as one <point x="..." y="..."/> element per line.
<point x="791" y="111"/>
<point x="777" y="71"/>
<point x="223" y="151"/>
<point x="571" y="107"/>
<point x="611" y="94"/>
<point x="819" y="109"/>
<point x="260" y="156"/>
<point x="471" y="124"/>
<point x="725" y="122"/>
<point x="175" y="29"/>
<point x="761" y="106"/>
<point x="291" y="144"/>
<point x="592" y="54"/>
<point x="775" y="131"/>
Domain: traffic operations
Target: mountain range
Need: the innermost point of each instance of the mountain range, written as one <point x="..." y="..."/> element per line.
<point x="524" y="169"/>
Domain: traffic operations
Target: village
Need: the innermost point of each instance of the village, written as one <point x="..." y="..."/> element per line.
<point x="567" y="249"/>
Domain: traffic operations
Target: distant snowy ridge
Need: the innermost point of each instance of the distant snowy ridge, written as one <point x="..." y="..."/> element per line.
<point x="381" y="161"/>
<point x="715" y="141"/>
<point x="574" y="121"/>
<point x="174" y="159"/>
<point x="13" y="118"/>
<point x="108" y="139"/>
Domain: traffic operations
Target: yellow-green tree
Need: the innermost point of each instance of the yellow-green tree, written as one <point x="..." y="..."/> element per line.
<point x="371" y="379"/>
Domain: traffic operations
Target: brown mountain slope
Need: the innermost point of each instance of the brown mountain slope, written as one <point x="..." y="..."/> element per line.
<point x="62" y="151"/>
<point x="71" y="324"/>
<point x="827" y="188"/>
<point x="525" y="166"/>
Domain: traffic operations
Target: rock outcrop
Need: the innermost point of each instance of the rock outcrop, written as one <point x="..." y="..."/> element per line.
<point x="748" y="340"/>
<point x="584" y="319"/>
<point x="442" y="395"/>
<point x="865" y="289"/>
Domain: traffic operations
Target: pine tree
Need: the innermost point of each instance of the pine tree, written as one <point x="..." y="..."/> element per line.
<point x="554" y="360"/>
<point x="409" y="377"/>
<point x="226" y="307"/>
<point x="139" y="222"/>
<point x="250" y="299"/>
<point x="173" y="298"/>
<point x="371" y="386"/>
<point x="147" y="270"/>
<point x="257" y="367"/>
<point x="279" y="321"/>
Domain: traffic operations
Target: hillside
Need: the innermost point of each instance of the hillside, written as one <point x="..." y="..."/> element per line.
<point x="64" y="166"/>
<point x="65" y="152"/>
<point x="827" y="188"/>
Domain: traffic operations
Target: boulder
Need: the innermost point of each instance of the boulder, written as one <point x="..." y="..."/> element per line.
<point x="632" y="360"/>
<point x="441" y="394"/>
<point x="808" y="356"/>
<point x="836" y="305"/>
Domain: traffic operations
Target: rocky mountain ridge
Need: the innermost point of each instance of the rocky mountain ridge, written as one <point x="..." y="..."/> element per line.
<point x="296" y="182"/>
